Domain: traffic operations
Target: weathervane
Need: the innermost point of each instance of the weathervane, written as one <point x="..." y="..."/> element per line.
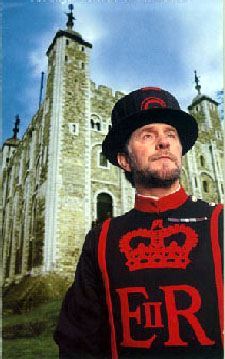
<point x="198" y="86"/>
<point x="70" y="16"/>
<point x="16" y="128"/>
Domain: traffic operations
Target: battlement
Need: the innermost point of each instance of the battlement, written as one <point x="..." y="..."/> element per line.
<point x="104" y="91"/>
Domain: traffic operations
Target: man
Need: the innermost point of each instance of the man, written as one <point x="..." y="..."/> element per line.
<point x="149" y="283"/>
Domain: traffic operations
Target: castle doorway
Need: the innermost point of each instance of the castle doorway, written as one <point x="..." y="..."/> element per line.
<point x="104" y="207"/>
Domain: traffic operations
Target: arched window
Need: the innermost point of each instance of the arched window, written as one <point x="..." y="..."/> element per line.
<point x="104" y="207"/>
<point x="205" y="186"/>
<point x="202" y="161"/>
<point x="95" y="123"/>
<point x="103" y="160"/>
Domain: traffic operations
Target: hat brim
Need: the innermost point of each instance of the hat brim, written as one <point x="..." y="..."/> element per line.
<point x="184" y="123"/>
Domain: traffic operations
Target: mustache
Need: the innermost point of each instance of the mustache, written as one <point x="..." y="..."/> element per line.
<point x="163" y="153"/>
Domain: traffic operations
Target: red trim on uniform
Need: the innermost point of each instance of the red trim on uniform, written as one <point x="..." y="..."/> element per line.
<point x="172" y="201"/>
<point x="218" y="265"/>
<point x="102" y="266"/>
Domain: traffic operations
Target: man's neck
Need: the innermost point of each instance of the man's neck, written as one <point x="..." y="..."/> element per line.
<point x="157" y="192"/>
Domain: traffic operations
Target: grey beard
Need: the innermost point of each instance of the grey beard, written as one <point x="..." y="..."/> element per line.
<point x="152" y="179"/>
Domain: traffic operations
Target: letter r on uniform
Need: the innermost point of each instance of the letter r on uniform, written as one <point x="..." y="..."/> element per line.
<point x="188" y="313"/>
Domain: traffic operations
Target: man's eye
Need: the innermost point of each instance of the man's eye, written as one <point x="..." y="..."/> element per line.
<point x="148" y="136"/>
<point x="171" y="135"/>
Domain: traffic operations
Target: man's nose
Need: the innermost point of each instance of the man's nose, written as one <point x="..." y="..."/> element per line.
<point x="162" y="143"/>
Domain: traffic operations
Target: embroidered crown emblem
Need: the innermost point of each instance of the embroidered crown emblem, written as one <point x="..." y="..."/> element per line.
<point x="156" y="254"/>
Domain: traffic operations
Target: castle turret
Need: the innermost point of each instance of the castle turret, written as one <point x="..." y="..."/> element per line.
<point x="10" y="144"/>
<point x="204" y="161"/>
<point x="205" y="110"/>
<point x="68" y="194"/>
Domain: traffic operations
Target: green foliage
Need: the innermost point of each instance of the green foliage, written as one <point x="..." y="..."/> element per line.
<point x="31" y="333"/>
<point x="42" y="347"/>
<point x="33" y="291"/>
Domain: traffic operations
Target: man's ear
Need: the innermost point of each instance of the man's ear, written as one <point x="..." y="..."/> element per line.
<point x="123" y="161"/>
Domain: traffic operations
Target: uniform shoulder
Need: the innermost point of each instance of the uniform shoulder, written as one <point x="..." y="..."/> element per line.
<point x="97" y="228"/>
<point x="95" y="231"/>
<point x="200" y="204"/>
<point x="124" y="217"/>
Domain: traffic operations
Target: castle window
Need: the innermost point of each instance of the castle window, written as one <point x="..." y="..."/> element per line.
<point x="104" y="207"/>
<point x="205" y="186"/>
<point x="18" y="261"/>
<point x="102" y="161"/>
<point x="67" y="42"/>
<point x="44" y="155"/>
<point x="196" y="183"/>
<point x="30" y="255"/>
<point x="8" y="262"/>
<point x="222" y="189"/>
<point x="74" y="129"/>
<point x="95" y="123"/>
<point x="202" y="161"/>
<point x="40" y="135"/>
<point x="83" y="48"/>
<point x="66" y="58"/>
<point x="82" y="66"/>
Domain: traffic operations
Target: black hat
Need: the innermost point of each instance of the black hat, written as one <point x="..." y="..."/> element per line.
<point x="144" y="106"/>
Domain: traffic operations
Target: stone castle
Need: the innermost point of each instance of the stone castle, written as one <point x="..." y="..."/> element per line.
<point x="56" y="182"/>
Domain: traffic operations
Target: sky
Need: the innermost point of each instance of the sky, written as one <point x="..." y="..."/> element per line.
<point x="136" y="43"/>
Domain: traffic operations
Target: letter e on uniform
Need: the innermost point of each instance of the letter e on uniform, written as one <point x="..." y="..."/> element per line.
<point x="126" y="315"/>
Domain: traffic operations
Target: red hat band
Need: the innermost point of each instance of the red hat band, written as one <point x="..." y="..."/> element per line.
<point x="152" y="102"/>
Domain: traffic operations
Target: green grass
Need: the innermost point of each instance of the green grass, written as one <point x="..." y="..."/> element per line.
<point x="42" y="347"/>
<point x="37" y="347"/>
<point x="46" y="311"/>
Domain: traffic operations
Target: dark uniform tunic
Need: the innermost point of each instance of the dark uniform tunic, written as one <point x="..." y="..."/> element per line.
<point x="148" y="284"/>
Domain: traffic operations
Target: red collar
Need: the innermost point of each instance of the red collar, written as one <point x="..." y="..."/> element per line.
<point x="174" y="200"/>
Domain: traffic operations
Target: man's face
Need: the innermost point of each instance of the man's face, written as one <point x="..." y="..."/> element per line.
<point x="155" y="155"/>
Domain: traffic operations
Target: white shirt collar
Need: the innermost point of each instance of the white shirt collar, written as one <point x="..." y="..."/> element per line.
<point x="157" y="198"/>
